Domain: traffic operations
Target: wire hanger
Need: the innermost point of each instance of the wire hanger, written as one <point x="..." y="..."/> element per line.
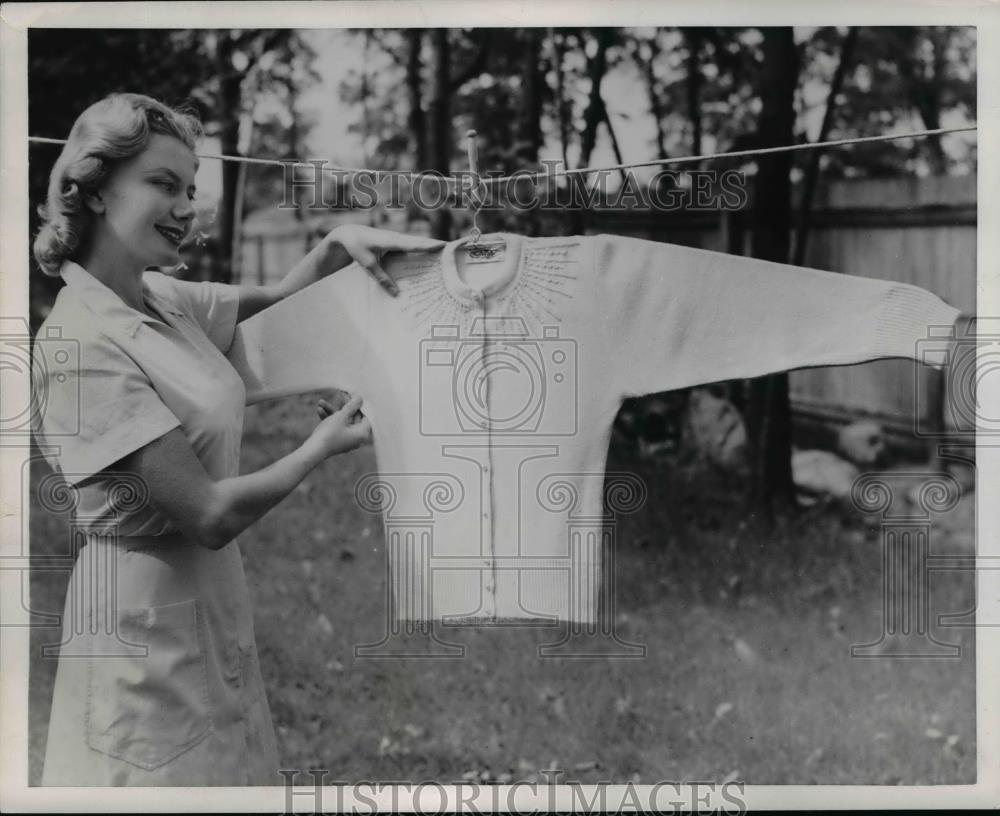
<point x="475" y="249"/>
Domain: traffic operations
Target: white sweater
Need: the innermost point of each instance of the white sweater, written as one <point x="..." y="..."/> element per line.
<point x="492" y="408"/>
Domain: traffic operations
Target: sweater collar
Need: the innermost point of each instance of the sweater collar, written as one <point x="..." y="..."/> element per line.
<point x="106" y="304"/>
<point x="470" y="294"/>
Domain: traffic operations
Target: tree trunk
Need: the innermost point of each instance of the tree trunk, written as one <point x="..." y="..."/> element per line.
<point x="414" y="85"/>
<point x="694" y="82"/>
<point x="926" y="93"/>
<point x="441" y="126"/>
<point x="293" y="149"/>
<point x="768" y="408"/>
<point x="562" y="105"/>
<point x="812" y="168"/>
<point x="592" y="117"/>
<point x="529" y="135"/>
<point x="615" y="147"/>
<point x="230" y="103"/>
<point x="529" y="123"/>
<point x="653" y="90"/>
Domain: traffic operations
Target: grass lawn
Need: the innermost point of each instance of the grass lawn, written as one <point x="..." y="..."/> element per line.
<point x="747" y="673"/>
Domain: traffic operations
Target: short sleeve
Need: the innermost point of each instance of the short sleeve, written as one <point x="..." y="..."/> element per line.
<point x="213" y="306"/>
<point x="95" y="406"/>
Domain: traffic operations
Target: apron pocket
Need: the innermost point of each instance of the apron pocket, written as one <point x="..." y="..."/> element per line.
<point x="149" y="709"/>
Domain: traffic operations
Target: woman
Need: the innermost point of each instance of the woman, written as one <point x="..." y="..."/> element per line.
<point x="158" y="681"/>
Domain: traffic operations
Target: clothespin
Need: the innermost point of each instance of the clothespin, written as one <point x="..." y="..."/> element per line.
<point x="475" y="249"/>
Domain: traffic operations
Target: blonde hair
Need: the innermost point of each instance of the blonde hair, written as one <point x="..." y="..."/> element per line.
<point x="110" y="131"/>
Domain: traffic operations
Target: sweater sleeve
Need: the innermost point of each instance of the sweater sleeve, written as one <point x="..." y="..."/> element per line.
<point x="673" y="317"/>
<point x="312" y="340"/>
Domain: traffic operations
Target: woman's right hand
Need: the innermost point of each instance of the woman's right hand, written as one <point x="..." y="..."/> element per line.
<point x="211" y="512"/>
<point x="340" y="430"/>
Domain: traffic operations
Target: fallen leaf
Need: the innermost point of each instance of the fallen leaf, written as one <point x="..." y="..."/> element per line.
<point x="722" y="709"/>
<point x="324" y="623"/>
<point x="744" y="652"/>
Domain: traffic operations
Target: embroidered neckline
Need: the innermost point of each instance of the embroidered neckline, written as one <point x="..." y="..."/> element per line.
<point x="537" y="289"/>
<point x="512" y="264"/>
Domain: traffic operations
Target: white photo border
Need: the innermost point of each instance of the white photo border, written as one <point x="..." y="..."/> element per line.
<point x="16" y="18"/>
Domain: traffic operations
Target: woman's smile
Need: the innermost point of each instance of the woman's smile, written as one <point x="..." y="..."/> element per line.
<point x="175" y="235"/>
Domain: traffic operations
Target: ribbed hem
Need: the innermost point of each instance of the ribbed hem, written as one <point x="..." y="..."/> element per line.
<point x="911" y="315"/>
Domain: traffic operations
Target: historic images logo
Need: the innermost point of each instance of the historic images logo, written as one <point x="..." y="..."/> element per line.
<point x="50" y="360"/>
<point x="315" y="185"/>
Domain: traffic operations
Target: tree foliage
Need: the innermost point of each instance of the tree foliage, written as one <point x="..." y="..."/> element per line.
<point x="237" y="81"/>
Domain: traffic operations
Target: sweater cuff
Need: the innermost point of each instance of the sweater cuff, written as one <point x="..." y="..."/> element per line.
<point x="912" y="324"/>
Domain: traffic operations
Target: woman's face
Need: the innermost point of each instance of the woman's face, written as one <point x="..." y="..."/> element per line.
<point x="146" y="202"/>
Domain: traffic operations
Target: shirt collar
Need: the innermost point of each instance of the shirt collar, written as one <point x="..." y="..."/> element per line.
<point x="107" y="305"/>
<point x="512" y="265"/>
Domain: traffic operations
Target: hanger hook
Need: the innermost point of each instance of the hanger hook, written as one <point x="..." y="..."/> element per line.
<point x="470" y="146"/>
<point x="475" y="232"/>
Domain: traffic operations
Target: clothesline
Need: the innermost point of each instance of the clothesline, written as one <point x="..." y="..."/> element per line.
<point x="294" y="163"/>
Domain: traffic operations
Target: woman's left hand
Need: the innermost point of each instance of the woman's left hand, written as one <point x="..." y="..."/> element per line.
<point x="366" y="245"/>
